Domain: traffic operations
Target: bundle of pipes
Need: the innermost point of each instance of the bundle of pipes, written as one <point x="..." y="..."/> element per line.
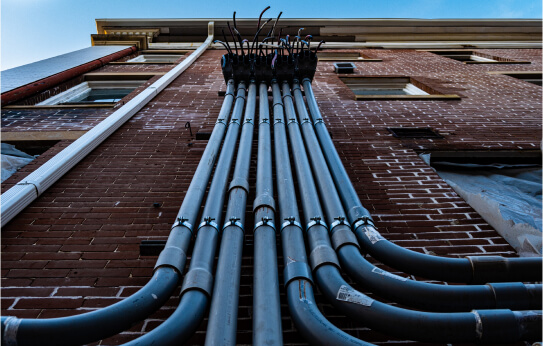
<point x="336" y="229"/>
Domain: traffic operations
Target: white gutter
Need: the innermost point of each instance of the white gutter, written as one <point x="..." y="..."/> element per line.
<point x="27" y="190"/>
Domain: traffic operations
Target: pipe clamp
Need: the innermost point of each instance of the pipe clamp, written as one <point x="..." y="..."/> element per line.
<point x="220" y="121"/>
<point x="233" y="222"/>
<point x="248" y="121"/>
<point x="264" y="121"/>
<point x="36" y="185"/>
<point x="340" y="220"/>
<point x="291" y="221"/>
<point x="305" y="120"/>
<point x="181" y="221"/>
<point x="208" y="221"/>
<point x="319" y="120"/>
<point x="315" y="221"/>
<point x="265" y="222"/>
<point x="292" y="120"/>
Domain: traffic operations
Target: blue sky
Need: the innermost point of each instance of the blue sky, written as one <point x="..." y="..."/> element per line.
<point x="33" y="30"/>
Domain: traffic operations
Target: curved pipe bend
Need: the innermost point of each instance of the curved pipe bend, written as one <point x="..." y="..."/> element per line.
<point x="487" y="326"/>
<point x="434" y="297"/>
<point x="473" y="270"/>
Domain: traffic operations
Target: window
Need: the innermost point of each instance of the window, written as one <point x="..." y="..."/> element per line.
<point x="367" y="88"/>
<point x="343" y="56"/>
<point x="472" y="57"/>
<point x="94" y="92"/>
<point x="504" y="188"/>
<point x="156" y="58"/>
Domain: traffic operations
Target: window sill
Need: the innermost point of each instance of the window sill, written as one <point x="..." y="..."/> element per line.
<point x="97" y="105"/>
<point x="451" y="97"/>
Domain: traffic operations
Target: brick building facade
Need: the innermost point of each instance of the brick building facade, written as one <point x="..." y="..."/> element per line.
<point x="77" y="247"/>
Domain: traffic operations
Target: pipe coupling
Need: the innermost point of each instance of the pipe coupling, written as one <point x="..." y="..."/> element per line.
<point x="323" y="254"/>
<point x="507" y="293"/>
<point x="11" y="326"/>
<point x="344" y="236"/>
<point x="296" y="270"/>
<point x="496" y="326"/>
<point x="198" y="279"/>
<point x="242" y="183"/>
<point x="264" y="200"/>
<point x="486" y="267"/>
<point x="172" y="256"/>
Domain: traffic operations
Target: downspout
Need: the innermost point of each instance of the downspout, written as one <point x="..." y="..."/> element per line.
<point x="472" y="269"/>
<point x="492" y="326"/>
<point x="48" y="82"/>
<point x="267" y="329"/>
<point x="222" y="323"/>
<point x="27" y="190"/>
<point x="309" y="321"/>
<point x="198" y="283"/>
<point x="401" y="290"/>
<point x="99" y="324"/>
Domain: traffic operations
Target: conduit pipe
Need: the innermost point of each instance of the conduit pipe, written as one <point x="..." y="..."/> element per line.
<point x="307" y="318"/>
<point x="399" y="289"/>
<point x="222" y="323"/>
<point x="27" y="190"/>
<point x="267" y="328"/>
<point x="492" y="326"/>
<point x="198" y="282"/>
<point x="99" y="324"/>
<point x="297" y="275"/>
<point x="472" y="269"/>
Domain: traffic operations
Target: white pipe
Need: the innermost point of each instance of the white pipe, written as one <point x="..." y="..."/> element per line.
<point x="27" y="190"/>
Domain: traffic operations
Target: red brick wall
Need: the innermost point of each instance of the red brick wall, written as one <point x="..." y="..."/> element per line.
<point x="76" y="247"/>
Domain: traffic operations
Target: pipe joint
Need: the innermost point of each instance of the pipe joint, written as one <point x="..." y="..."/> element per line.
<point x="277" y="104"/>
<point x="241" y="183"/>
<point x="486" y="267"/>
<point x="264" y="200"/>
<point x="266" y="221"/>
<point x="172" y="256"/>
<point x="495" y="326"/>
<point x="508" y="293"/>
<point x="315" y="221"/>
<point x="297" y="270"/>
<point x="323" y="254"/>
<point x="290" y="221"/>
<point x="343" y="236"/>
<point x="198" y="279"/>
<point x="10" y="326"/>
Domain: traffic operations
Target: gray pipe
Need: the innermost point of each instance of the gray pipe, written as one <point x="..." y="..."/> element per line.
<point x="297" y="275"/>
<point x="222" y="323"/>
<point x="401" y="290"/>
<point x="100" y="324"/>
<point x="267" y="328"/>
<point x="493" y="326"/>
<point x="198" y="283"/>
<point x="472" y="269"/>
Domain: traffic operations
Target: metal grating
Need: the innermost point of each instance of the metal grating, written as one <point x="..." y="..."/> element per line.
<point x="414" y="132"/>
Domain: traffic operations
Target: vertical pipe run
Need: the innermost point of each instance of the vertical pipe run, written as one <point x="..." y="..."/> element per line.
<point x="297" y="275"/>
<point x="267" y="328"/>
<point x="474" y="269"/>
<point x="198" y="282"/>
<point x="221" y="327"/>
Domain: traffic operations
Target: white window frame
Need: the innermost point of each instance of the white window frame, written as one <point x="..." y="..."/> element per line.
<point x="156" y="58"/>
